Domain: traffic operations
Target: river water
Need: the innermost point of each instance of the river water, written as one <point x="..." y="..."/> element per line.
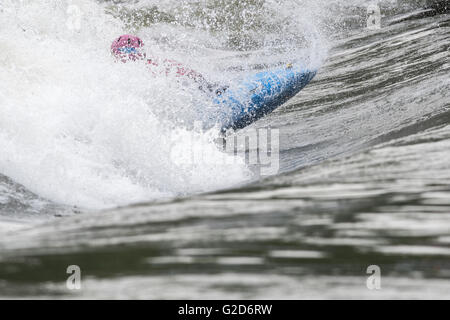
<point x="87" y="177"/>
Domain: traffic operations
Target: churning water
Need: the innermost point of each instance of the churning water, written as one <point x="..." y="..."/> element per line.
<point x="87" y="170"/>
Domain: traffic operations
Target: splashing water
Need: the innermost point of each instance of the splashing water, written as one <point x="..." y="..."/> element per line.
<point x="78" y="129"/>
<point x="364" y="172"/>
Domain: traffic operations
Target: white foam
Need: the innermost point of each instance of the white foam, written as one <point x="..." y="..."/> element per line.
<point x="79" y="129"/>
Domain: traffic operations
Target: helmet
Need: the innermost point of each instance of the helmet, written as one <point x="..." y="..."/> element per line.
<point x="128" y="47"/>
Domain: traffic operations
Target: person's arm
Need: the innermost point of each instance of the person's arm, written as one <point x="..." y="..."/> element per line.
<point x="184" y="71"/>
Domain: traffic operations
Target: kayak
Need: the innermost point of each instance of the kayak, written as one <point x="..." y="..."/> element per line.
<point x="252" y="97"/>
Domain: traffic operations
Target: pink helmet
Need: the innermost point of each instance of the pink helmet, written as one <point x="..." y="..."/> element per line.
<point x="128" y="47"/>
